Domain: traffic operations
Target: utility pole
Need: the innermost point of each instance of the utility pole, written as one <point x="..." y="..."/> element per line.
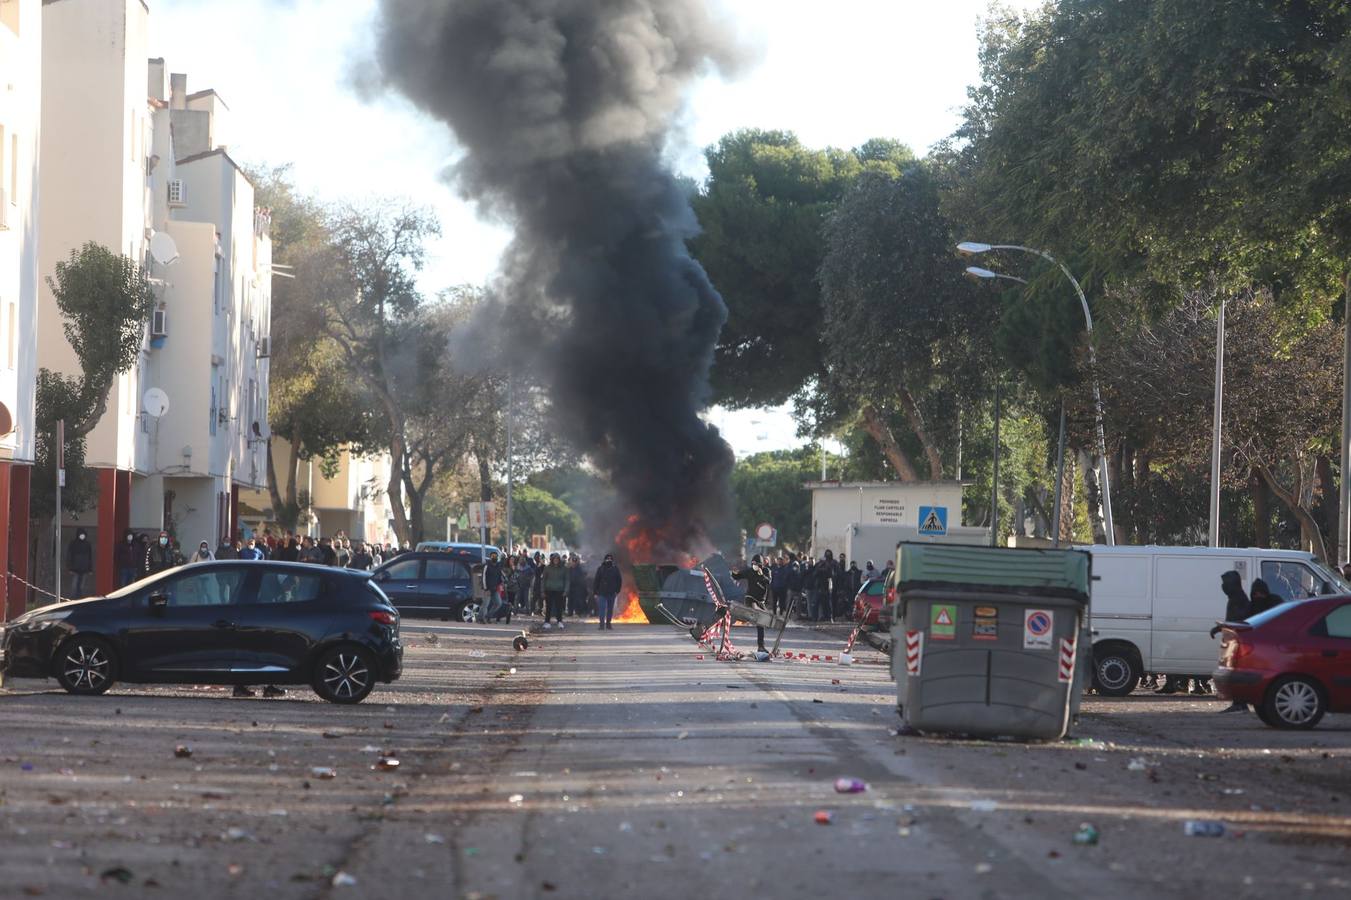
<point x="994" y="487"/>
<point x="1215" y="431"/>
<point x="1059" y="475"/>
<point x="1344" y="493"/>
<point x="511" y="409"/>
<point x="60" y="457"/>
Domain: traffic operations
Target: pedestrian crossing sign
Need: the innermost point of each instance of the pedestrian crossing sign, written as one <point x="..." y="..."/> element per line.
<point x="933" y="520"/>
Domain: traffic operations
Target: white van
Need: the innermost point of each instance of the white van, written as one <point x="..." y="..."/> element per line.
<point x="1153" y="607"/>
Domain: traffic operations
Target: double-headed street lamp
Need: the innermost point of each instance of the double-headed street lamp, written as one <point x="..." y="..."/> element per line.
<point x="972" y="248"/>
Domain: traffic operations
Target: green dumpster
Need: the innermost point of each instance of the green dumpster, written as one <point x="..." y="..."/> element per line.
<point x="988" y="641"/>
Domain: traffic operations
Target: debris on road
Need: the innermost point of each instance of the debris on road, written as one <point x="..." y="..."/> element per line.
<point x="342" y="879"/>
<point x="120" y="874"/>
<point x="823" y="817"/>
<point x="324" y="773"/>
<point x="1203" y="828"/>
<point x="183" y="751"/>
<point x="385" y="764"/>
<point x="850" y="785"/>
<point x="1086" y="836"/>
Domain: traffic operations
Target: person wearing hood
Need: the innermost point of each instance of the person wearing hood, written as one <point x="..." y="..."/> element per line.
<point x="80" y="561"/>
<point x="1262" y="599"/>
<point x="1237" y="608"/>
<point x="128" y="562"/>
<point x="203" y="553"/>
<point x="555" y="582"/>
<point x="159" y="556"/>
<point x="606" y="587"/>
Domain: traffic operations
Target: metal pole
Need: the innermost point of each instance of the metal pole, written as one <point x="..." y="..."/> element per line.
<point x="994" y="481"/>
<point x="59" y="457"/>
<point x="1215" y="431"/>
<point x="1059" y="475"/>
<point x="1344" y="494"/>
<point x="510" y="415"/>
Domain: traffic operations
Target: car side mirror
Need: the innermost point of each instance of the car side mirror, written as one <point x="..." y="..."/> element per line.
<point x="159" y="602"/>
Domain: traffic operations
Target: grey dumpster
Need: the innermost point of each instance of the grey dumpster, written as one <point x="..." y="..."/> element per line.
<point x="989" y="641"/>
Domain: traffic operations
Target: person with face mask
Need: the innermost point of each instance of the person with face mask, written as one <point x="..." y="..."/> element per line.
<point x="203" y="553"/>
<point x="606" y="587"/>
<point x="160" y="556"/>
<point x="126" y="557"/>
<point x="251" y="551"/>
<point x="80" y="562"/>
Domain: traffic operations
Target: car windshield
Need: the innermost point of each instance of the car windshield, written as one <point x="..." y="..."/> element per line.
<point x="1339" y="584"/>
<point x="137" y="585"/>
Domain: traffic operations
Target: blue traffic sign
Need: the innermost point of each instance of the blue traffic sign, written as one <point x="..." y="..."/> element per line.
<point x="933" y="520"/>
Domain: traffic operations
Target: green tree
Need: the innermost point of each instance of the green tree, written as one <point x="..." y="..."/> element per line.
<point x="904" y="331"/>
<point x="762" y="209"/>
<point x="768" y="488"/>
<point x="534" y="509"/>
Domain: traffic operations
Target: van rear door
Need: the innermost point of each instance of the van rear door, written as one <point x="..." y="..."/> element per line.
<point x="1121" y="607"/>
<point x="1187" y="604"/>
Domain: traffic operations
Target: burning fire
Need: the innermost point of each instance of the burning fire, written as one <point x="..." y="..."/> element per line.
<point x="638" y="544"/>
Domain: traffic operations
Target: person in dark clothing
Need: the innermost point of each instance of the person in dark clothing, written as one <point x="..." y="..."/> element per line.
<point x="757" y="589"/>
<point x="1236" y="609"/>
<point x="778" y="585"/>
<point x="289" y="552"/>
<point x="537" y="586"/>
<point x="579" y="587"/>
<point x="141" y="554"/>
<point x="361" y="559"/>
<point x="159" y="556"/>
<point x="605" y="586"/>
<point x="226" y="550"/>
<point x="555" y="584"/>
<point x="80" y="562"/>
<point x="326" y="551"/>
<point x="128" y="562"/>
<point x="796" y="581"/>
<point x="823" y="573"/>
<point x="251" y="551"/>
<point x="492" y="585"/>
<point x="1262" y="598"/>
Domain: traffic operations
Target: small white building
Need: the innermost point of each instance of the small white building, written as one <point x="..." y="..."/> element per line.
<point x="20" y="119"/>
<point x="839" y="505"/>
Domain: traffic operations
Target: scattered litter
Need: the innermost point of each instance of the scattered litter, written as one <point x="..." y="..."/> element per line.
<point x="520" y="642"/>
<point x="762" y="656"/>
<point x="850" y="785"/>
<point x="477" y="654"/>
<point x="433" y="838"/>
<point x="120" y="874"/>
<point x="386" y="764"/>
<point x="342" y="879"/>
<point x="984" y="805"/>
<point x="823" y="817"/>
<point x="1202" y="828"/>
<point x="235" y="833"/>
<point x="1138" y="764"/>
<point x="682" y="735"/>
<point x="27" y="767"/>
<point x="278" y="812"/>
<point x="512" y="670"/>
<point x="984" y="868"/>
<point x="183" y="751"/>
<point x="516" y="799"/>
<point x="696" y="656"/>
<point x="324" y="773"/>
<point x="1232" y="791"/>
<point x="626" y="827"/>
<point x="834" y="681"/>
<point x="234" y="870"/>
<point x="370" y="748"/>
<point x="814" y="700"/>
<point x="1086" y="836"/>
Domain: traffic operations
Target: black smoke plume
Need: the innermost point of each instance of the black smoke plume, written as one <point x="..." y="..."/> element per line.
<point x="563" y="108"/>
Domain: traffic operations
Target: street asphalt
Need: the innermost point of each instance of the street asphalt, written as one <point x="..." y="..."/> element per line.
<point x="622" y="764"/>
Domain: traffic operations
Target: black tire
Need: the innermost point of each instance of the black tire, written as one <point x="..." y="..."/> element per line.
<point x="1294" y="702"/>
<point x="1116" y="671"/>
<point x="344" y="674"/>
<point x="468" y="613"/>
<point x="86" y="665"/>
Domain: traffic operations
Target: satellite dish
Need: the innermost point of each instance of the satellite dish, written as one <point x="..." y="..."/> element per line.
<point x="163" y="250"/>
<point x="155" y="402"/>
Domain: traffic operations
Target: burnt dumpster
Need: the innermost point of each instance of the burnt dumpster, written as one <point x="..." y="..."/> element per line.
<point x="988" y="641"/>
<point x="682" y="593"/>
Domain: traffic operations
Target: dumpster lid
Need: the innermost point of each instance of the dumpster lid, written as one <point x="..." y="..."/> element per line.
<point x="1024" y="570"/>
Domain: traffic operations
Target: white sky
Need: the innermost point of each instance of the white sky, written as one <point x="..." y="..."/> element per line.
<point x="836" y="72"/>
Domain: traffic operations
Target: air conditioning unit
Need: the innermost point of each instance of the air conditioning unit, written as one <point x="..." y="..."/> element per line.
<point x="177" y="192"/>
<point x="159" y="325"/>
<point x="4" y="209"/>
<point x="264" y="347"/>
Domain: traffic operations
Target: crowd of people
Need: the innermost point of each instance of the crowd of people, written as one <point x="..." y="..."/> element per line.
<point x="819" y="590"/>
<point x="555" y="587"/>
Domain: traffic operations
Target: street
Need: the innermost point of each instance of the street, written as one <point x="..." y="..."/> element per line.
<point x="620" y="763"/>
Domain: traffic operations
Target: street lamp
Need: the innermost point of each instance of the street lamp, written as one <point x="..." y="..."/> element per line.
<point x="972" y="248"/>
<point x="986" y="274"/>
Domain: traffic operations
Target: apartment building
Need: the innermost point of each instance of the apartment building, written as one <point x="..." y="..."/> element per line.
<point x="20" y="116"/>
<point x="133" y="161"/>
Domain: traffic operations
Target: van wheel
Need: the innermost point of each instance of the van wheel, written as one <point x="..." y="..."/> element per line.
<point x="1294" y="702"/>
<point x="1115" y="671"/>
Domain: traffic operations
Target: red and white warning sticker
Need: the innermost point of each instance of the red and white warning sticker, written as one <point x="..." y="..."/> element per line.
<point x="1067" y="653"/>
<point x="914" y="651"/>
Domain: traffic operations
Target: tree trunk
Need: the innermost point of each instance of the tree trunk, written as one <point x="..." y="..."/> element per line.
<point x="485" y="478"/>
<point x="394" y="485"/>
<point x="1261" y="510"/>
<point x="916" y="421"/>
<point x="1067" y="501"/>
<point x="1090" y="473"/>
<point x="1331" y="502"/>
<point x="1310" y="533"/>
<point x="876" y="426"/>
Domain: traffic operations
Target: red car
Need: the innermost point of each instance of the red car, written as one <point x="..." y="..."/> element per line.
<point x="869" y="603"/>
<point x="1292" y="663"/>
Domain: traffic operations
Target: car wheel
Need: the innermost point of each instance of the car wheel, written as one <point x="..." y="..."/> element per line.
<point x="344" y="674"/>
<point x="1115" y="672"/>
<point x="1294" y="702"/>
<point x="86" y="665"/>
<point x="469" y="612"/>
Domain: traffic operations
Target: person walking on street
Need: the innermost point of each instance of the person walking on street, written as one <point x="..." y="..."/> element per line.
<point x="824" y="572"/>
<point x="80" y="562"/>
<point x="309" y="553"/>
<point x="537" y="586"/>
<point x="1236" y="609"/>
<point x="555" y="586"/>
<point x="757" y="589"/>
<point x="251" y="551"/>
<point x="1261" y="599"/>
<point x="203" y="553"/>
<point x="226" y="550"/>
<point x="128" y="563"/>
<point x="778" y="585"/>
<point x="160" y="555"/>
<point x="289" y="551"/>
<point x="492" y="586"/>
<point x="605" y="586"/>
<point x="361" y="558"/>
<point x="326" y="551"/>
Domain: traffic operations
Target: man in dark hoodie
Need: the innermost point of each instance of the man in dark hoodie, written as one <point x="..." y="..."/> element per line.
<point x="128" y="561"/>
<point x="1236" y="609"/>
<point x="1262" y="598"/>
<point x="80" y="561"/>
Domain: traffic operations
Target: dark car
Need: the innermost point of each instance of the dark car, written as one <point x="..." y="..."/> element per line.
<point x="1292" y="662"/>
<point x="470" y="554"/>
<point x="429" y="583"/>
<point x="235" y="622"/>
